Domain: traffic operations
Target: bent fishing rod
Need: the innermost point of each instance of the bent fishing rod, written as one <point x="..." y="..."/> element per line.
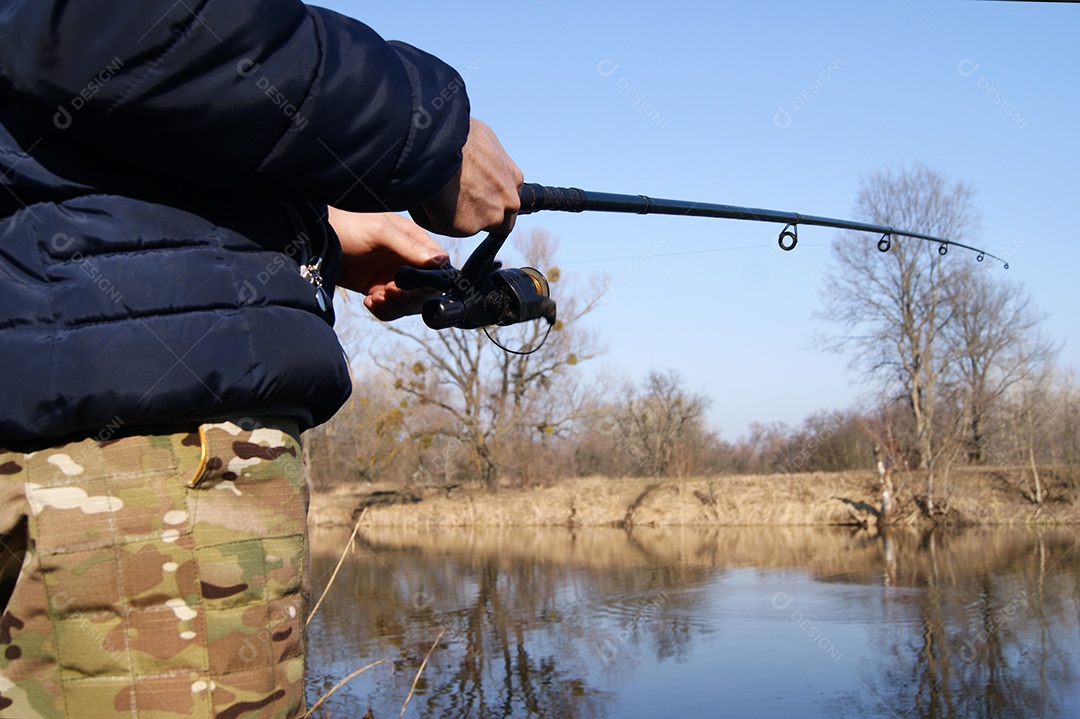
<point x="482" y="294"/>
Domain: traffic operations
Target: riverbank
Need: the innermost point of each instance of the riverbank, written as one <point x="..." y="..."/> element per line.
<point x="970" y="497"/>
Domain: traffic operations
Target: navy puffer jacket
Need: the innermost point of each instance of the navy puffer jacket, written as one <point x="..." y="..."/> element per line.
<point x="165" y="170"/>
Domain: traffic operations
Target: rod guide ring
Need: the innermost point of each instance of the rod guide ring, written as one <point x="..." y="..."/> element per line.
<point x="790" y="233"/>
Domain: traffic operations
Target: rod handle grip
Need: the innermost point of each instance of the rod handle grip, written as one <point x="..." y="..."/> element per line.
<point x="536" y="197"/>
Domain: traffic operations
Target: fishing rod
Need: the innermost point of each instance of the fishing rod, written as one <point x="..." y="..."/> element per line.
<point x="482" y="294"/>
<point x="570" y="199"/>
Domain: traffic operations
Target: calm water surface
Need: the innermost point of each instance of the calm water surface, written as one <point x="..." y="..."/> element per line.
<point x="744" y="622"/>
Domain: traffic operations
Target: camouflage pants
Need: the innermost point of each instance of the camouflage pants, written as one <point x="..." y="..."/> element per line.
<point x="157" y="576"/>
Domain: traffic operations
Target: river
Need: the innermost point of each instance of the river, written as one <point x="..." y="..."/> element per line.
<point x="739" y="622"/>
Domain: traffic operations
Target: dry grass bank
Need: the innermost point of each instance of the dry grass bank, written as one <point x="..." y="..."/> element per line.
<point x="971" y="497"/>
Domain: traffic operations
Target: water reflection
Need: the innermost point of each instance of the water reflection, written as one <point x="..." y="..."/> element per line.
<point x="995" y="630"/>
<point x="728" y="622"/>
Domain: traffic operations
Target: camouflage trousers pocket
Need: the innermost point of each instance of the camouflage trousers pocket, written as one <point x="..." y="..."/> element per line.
<point x="157" y="576"/>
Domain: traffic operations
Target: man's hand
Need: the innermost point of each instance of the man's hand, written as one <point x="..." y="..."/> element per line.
<point x="373" y="247"/>
<point x="484" y="195"/>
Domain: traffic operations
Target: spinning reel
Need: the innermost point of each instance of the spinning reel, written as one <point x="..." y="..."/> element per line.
<point x="481" y="293"/>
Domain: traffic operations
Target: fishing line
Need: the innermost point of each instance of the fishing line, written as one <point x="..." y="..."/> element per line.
<point x="671" y="254"/>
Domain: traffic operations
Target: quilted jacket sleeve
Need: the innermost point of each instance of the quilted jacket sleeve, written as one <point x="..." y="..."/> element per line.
<point x="270" y="96"/>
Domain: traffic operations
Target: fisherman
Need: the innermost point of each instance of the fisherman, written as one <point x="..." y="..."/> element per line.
<point x="184" y="184"/>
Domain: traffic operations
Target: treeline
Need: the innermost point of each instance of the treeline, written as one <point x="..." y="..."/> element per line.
<point x="660" y="431"/>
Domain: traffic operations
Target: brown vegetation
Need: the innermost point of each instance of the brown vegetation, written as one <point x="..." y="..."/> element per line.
<point x="984" y="496"/>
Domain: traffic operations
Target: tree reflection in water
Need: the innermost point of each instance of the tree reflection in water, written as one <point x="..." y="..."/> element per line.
<point x="992" y="633"/>
<point x="488" y="663"/>
<point x="549" y="623"/>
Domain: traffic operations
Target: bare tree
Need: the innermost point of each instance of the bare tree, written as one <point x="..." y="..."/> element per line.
<point x="662" y="424"/>
<point x="893" y="307"/>
<point x="995" y="343"/>
<point x="483" y="397"/>
<point x="1029" y="429"/>
<point x="1034" y="400"/>
<point x="1067" y="443"/>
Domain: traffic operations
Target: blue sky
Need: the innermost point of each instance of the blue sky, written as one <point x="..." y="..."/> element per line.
<point x="782" y="105"/>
